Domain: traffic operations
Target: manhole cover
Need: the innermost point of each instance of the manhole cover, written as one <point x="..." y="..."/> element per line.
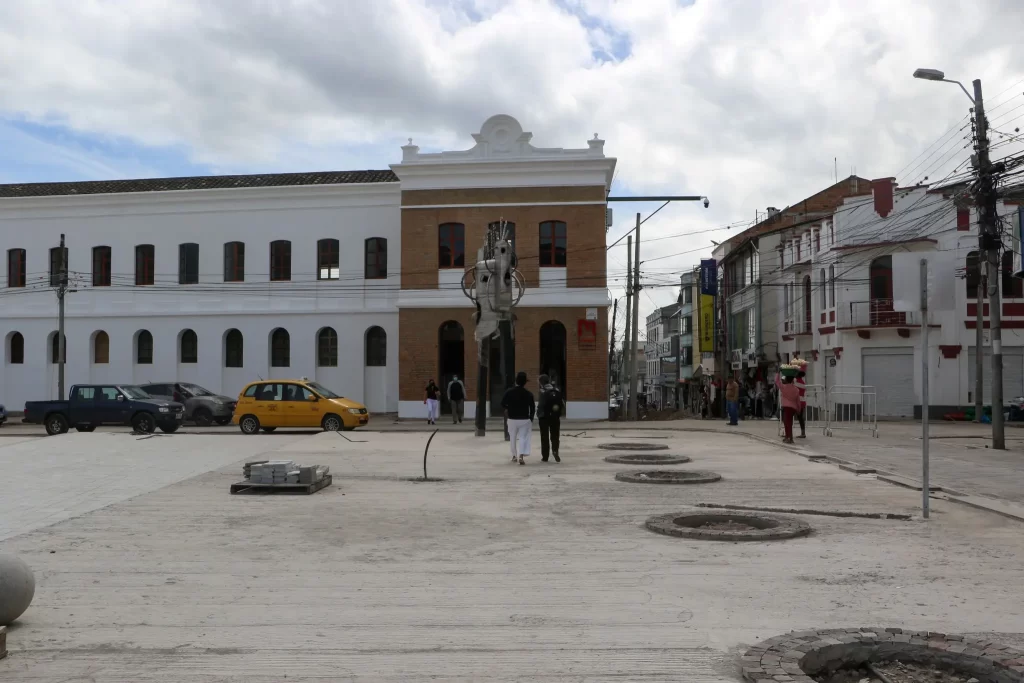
<point x="668" y="477"/>
<point x="648" y="459"/>
<point x="835" y="655"/>
<point x="728" y="527"/>
<point x="633" y="446"/>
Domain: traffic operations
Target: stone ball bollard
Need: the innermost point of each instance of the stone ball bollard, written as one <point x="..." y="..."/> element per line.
<point x="17" y="587"/>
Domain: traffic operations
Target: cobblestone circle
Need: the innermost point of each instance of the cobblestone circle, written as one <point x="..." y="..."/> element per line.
<point x="634" y="446"/>
<point x="668" y="477"/>
<point x="647" y="459"/>
<point x="797" y="657"/>
<point x="765" y="527"/>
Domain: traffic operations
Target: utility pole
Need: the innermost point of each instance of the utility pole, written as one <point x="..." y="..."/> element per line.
<point x="627" y="352"/>
<point x="611" y="349"/>
<point x="924" y="388"/>
<point x="62" y="288"/>
<point x="979" y="340"/>
<point x="636" y="312"/>
<point x="989" y="243"/>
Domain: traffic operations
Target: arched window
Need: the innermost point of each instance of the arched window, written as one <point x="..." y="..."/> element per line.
<point x="327" y="348"/>
<point x="145" y="257"/>
<point x="101" y="348"/>
<point x="234" y="262"/>
<point x="824" y="290"/>
<point x="376" y="261"/>
<point x="233" y="349"/>
<point x="16" y="349"/>
<point x="1013" y="287"/>
<point x="552" y="243"/>
<point x="144" y="348"/>
<point x="972" y="276"/>
<point x="327" y="259"/>
<point x="189" y="347"/>
<point x="55" y="348"/>
<point x="881" y="279"/>
<point x="451" y="245"/>
<point x="376" y="347"/>
<point x="280" y="348"/>
<point x="832" y="285"/>
<point x="280" y="260"/>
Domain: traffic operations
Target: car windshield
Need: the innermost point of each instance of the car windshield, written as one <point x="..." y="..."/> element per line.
<point x="134" y="393"/>
<point x="322" y="390"/>
<point x="196" y="390"/>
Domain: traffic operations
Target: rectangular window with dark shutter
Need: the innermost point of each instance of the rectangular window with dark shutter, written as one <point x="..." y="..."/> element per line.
<point x="144" y="257"/>
<point x="234" y="262"/>
<point x="188" y="264"/>
<point x="101" y="266"/>
<point x="15" y="267"/>
<point x="56" y="265"/>
<point x="376" y="258"/>
<point x="280" y="260"/>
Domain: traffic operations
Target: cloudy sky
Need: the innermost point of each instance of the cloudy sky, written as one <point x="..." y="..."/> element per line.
<point x="753" y="103"/>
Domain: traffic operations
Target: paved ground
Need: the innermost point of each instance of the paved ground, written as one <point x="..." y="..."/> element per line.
<point x="538" y="573"/>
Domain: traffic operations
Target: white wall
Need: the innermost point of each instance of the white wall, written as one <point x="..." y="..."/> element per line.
<point x="210" y="218"/>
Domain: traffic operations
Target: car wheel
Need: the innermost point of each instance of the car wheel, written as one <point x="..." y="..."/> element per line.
<point x="56" y="424"/>
<point x="223" y="420"/>
<point x="86" y="428"/>
<point x="332" y="423"/>
<point x="144" y="423"/>
<point x="268" y="430"/>
<point x="249" y="424"/>
<point x="169" y="429"/>
<point x="202" y="417"/>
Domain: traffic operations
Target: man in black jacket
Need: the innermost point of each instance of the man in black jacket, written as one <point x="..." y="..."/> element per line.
<point x="519" y="409"/>
<point x="550" y="409"/>
<point x="456" y="398"/>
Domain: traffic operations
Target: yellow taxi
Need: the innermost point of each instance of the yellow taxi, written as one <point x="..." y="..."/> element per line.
<point x="273" y="403"/>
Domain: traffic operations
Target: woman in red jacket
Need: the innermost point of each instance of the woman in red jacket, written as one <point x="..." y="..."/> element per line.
<point x="789" y="395"/>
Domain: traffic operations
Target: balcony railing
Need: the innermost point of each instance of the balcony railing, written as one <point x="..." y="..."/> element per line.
<point x="798" y="324"/>
<point x="875" y="313"/>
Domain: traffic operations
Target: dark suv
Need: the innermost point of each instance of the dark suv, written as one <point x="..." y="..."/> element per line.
<point x="201" y="405"/>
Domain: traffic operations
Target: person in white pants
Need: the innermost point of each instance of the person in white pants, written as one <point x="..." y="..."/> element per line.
<point x="433" y="402"/>
<point x="520" y="409"/>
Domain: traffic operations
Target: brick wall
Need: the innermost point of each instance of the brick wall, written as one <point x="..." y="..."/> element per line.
<point x="585" y="231"/>
<point x="419" y="350"/>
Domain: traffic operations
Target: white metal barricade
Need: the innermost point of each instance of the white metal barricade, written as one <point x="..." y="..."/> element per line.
<point x="851" y="406"/>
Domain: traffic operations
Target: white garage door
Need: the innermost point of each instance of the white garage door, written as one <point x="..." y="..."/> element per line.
<point x="1013" y="372"/>
<point x="891" y="372"/>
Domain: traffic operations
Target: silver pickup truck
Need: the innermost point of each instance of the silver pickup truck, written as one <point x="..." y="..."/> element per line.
<point x="201" y="405"/>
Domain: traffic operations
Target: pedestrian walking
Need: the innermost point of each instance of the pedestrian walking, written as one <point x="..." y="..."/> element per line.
<point x="457" y="398"/>
<point x="801" y="385"/>
<point x="433" y="394"/>
<point x="550" y="409"/>
<point x="732" y="400"/>
<point x="520" y="410"/>
<point x="789" y="394"/>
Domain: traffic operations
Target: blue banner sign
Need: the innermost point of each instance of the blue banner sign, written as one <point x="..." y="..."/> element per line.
<point x="709" y="276"/>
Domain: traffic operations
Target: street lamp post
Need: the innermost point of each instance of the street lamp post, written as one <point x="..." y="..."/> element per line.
<point x="988" y="258"/>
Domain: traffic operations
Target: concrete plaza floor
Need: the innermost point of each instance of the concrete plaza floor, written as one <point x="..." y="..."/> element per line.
<point x="500" y="572"/>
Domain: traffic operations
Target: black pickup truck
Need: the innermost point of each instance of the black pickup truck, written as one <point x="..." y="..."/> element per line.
<point x="91" y="405"/>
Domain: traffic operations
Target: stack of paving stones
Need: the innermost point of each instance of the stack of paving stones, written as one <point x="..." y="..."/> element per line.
<point x="790" y="657"/>
<point x="283" y="472"/>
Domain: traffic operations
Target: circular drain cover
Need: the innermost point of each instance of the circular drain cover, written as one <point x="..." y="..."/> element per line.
<point x="633" y="446"/>
<point x="648" y="459"/>
<point x="726" y="526"/>
<point x="668" y="477"/>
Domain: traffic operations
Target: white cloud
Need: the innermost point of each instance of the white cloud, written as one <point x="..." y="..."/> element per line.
<point x="745" y="101"/>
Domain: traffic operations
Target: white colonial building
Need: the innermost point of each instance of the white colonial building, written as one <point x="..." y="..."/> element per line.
<point x="835" y="294"/>
<point x="224" y="280"/>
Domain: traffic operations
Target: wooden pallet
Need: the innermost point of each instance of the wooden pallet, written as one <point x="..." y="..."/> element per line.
<point x="297" y="489"/>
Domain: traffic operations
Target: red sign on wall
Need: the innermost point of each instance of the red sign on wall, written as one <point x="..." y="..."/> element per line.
<point x="586" y="333"/>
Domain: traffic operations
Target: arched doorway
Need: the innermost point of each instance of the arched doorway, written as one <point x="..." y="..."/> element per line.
<point x="451" y="359"/>
<point x="553" y="353"/>
<point x="882" y="312"/>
